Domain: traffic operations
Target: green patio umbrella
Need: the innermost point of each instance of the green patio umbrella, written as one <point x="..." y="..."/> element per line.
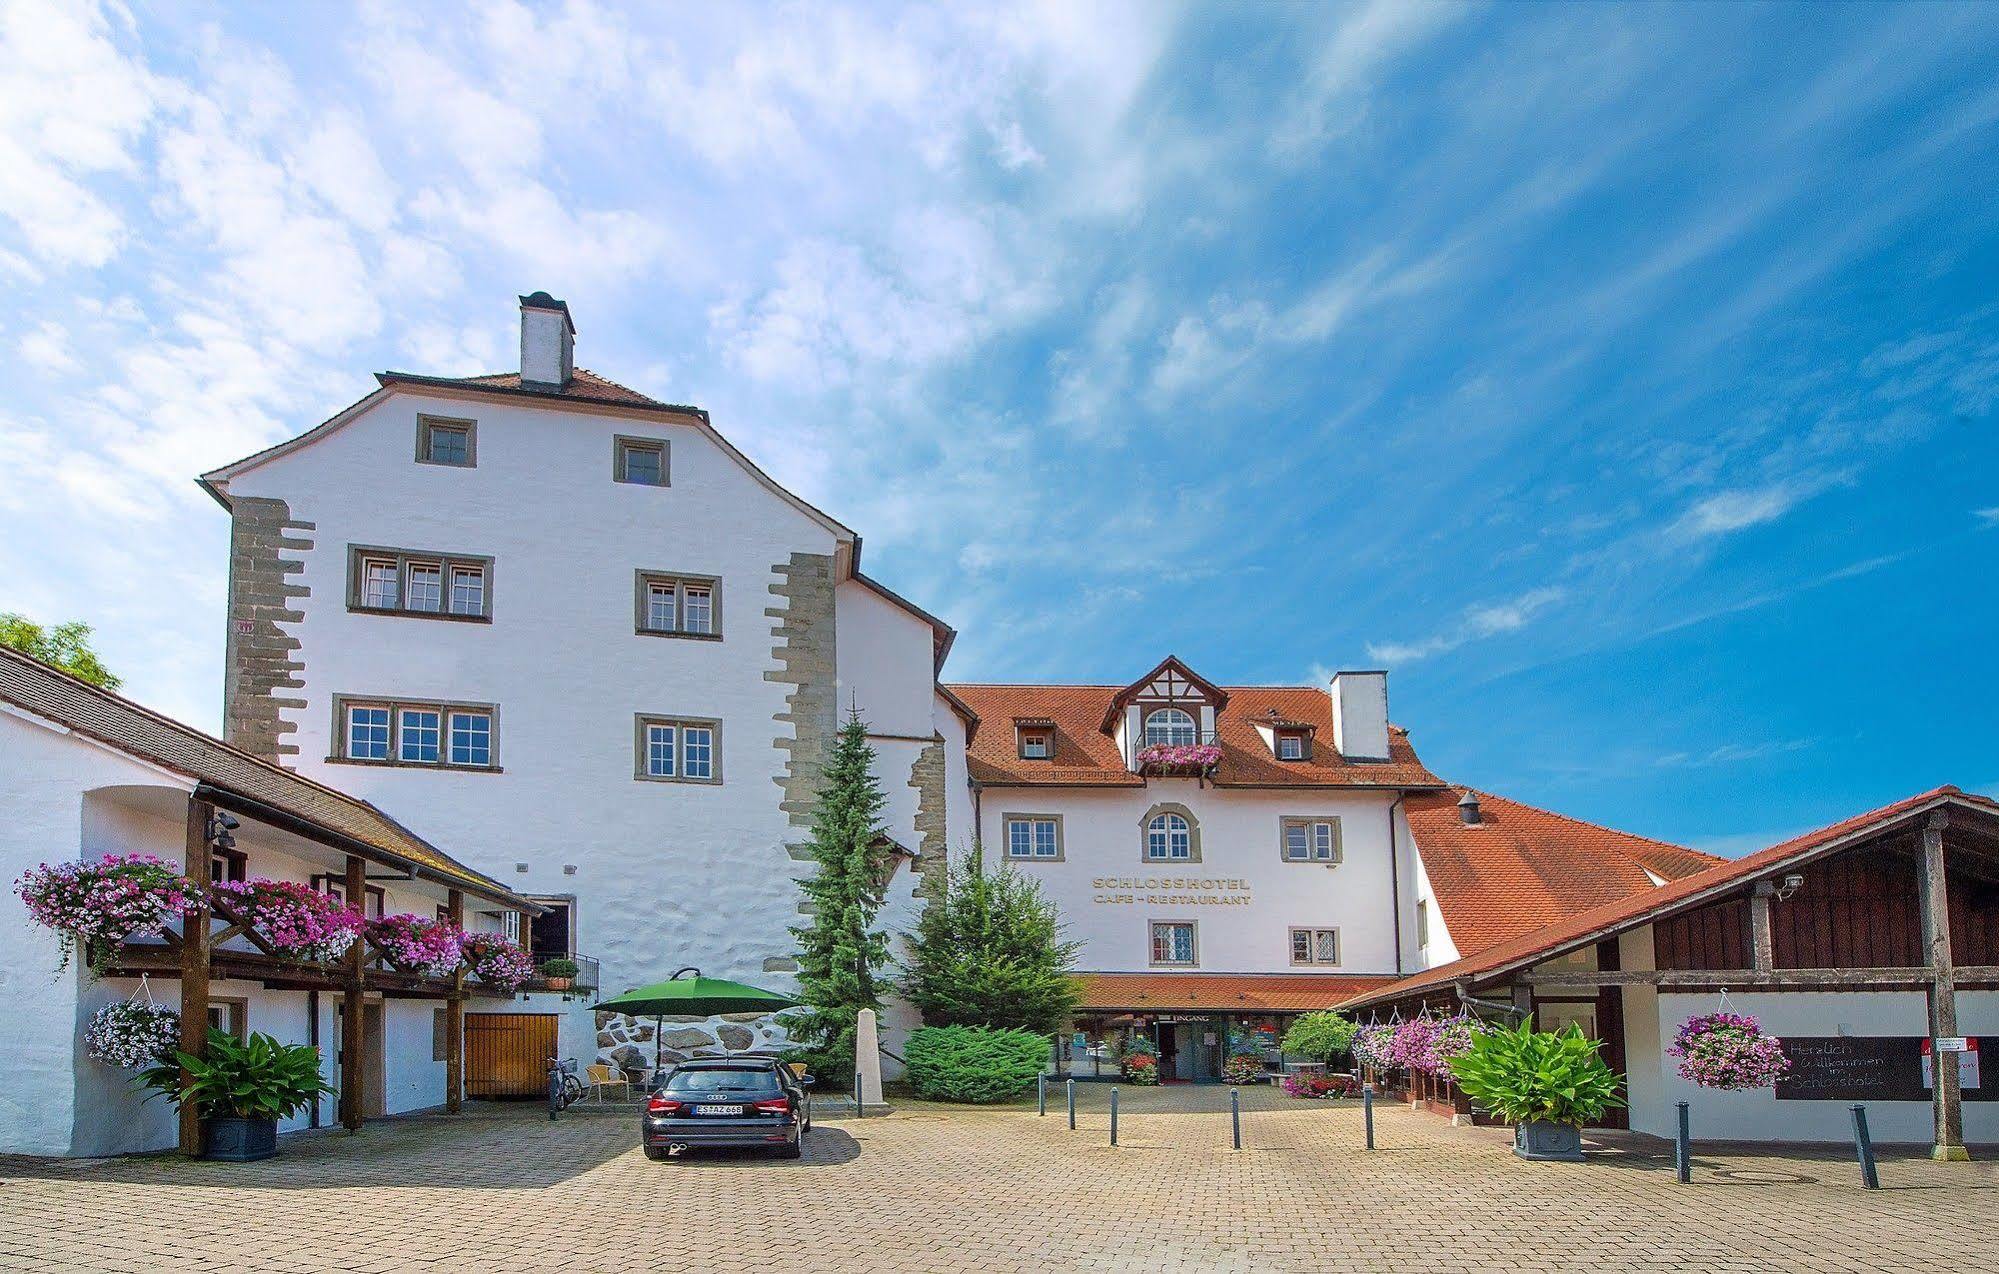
<point x="689" y="993"/>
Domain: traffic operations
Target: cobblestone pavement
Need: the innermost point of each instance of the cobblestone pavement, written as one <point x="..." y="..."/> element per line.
<point x="944" y="1188"/>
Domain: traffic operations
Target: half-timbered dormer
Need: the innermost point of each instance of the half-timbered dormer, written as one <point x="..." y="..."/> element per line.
<point x="1172" y="706"/>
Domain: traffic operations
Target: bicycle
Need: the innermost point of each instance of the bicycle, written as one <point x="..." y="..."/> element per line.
<point x="564" y="1088"/>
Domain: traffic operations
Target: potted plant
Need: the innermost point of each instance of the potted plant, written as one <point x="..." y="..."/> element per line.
<point x="1547" y="1084"/>
<point x="242" y="1090"/>
<point x="1728" y="1051"/>
<point x="99" y="905"/>
<point x="558" y="973"/>
<point x="1140" y="1069"/>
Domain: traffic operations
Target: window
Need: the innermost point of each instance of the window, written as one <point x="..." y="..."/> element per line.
<point x="1170" y="726"/>
<point x="471" y="738"/>
<point x="451" y="442"/>
<point x="1034" y="836"/>
<point x="641" y="461"/>
<point x="1315" y="946"/>
<point x="1169" y="837"/>
<point x="1422" y="922"/>
<point x="1173" y="942"/>
<point x="375" y="905"/>
<point x="408" y="582"/>
<point x="448" y="735"/>
<point x="672" y="605"/>
<point x="228" y="864"/>
<point x="231" y="1017"/>
<point x="675" y="750"/>
<point x="553" y="932"/>
<point x="1037" y="742"/>
<point x="1311" y="840"/>
<point x="1291" y="746"/>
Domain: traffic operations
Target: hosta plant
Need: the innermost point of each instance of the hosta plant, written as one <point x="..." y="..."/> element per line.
<point x="416" y="945"/>
<point x="98" y="905"/>
<point x="1728" y="1051"/>
<point x="496" y="960"/>
<point x="257" y="1078"/>
<point x="298" y="922"/>
<point x="1522" y="1074"/>
<point x="132" y="1035"/>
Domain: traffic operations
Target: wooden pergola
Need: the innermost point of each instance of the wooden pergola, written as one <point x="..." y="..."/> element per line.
<point x="197" y="955"/>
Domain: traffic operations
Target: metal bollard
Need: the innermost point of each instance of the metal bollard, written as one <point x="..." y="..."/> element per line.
<point x="1235" y="1116"/>
<point x="1367" y="1111"/>
<point x="1863" y="1146"/>
<point x="1683" y="1149"/>
<point x="1041" y="1095"/>
<point x="860" y="1108"/>
<point x="1072" y="1105"/>
<point x="1113" y="1114"/>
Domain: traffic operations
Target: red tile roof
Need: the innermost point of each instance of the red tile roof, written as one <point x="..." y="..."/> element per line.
<point x="1085" y="756"/>
<point x="1683" y="894"/>
<point x="1220" y="992"/>
<point x="584" y="386"/>
<point x="1521" y="868"/>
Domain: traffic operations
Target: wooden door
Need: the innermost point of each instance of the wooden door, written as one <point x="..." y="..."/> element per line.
<point x="506" y="1054"/>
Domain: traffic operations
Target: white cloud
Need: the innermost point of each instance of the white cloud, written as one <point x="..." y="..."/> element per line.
<point x="1987" y="517"/>
<point x="47" y="348"/>
<point x="1476" y="624"/>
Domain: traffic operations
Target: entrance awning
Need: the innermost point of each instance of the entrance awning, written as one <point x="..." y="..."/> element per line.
<point x="1219" y="992"/>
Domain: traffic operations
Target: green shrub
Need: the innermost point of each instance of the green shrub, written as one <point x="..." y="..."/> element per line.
<point x="1524" y="1074"/>
<point x="974" y="1063"/>
<point x="559" y="967"/>
<point x="990" y="952"/>
<point x="1320" y="1036"/>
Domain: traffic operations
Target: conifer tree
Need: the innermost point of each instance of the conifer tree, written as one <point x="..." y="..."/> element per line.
<point x="990" y="953"/>
<point x="840" y="952"/>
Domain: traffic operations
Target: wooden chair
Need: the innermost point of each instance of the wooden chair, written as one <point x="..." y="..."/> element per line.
<point x="603" y="1078"/>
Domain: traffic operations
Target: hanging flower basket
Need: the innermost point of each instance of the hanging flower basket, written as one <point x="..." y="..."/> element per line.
<point x="1409" y="1045"/>
<point x="496" y="960"/>
<point x="100" y="905"/>
<point x="1450" y="1037"/>
<point x="1370" y="1046"/>
<point x="412" y="944"/>
<point x="297" y="921"/>
<point x="1728" y="1051"/>
<point x="133" y="1034"/>
<point x="1180" y="756"/>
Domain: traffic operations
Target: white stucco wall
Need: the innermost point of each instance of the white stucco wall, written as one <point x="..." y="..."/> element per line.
<point x="1439" y="948"/>
<point x="1102" y="840"/>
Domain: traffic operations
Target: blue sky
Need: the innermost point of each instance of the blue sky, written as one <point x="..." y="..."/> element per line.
<point x="1622" y="378"/>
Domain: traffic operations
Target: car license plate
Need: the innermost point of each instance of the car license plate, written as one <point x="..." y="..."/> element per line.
<point x="718" y="1110"/>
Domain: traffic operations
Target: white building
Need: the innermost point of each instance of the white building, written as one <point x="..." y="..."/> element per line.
<point x="574" y="634"/>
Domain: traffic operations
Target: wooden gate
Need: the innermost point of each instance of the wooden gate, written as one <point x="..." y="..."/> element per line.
<point x="506" y="1054"/>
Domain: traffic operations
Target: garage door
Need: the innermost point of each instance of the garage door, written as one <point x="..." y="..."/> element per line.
<point x="506" y="1054"/>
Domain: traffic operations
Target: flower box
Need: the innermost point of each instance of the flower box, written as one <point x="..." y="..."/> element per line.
<point x="496" y="960"/>
<point x="1187" y="757"/>
<point x="101" y="905"/>
<point x="295" y="921"/>
<point x="412" y="944"/>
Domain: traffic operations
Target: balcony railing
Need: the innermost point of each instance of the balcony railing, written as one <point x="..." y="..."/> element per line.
<point x="1197" y="758"/>
<point x="586" y="979"/>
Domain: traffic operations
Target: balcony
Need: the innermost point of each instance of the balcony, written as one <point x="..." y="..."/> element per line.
<point x="585" y="982"/>
<point x="1179" y="760"/>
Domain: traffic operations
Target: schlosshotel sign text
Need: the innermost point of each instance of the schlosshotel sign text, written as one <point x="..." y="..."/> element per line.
<point x="1204" y="891"/>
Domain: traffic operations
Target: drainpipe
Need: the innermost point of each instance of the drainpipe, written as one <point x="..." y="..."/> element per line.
<point x="1395" y="879"/>
<point x="1511" y="1012"/>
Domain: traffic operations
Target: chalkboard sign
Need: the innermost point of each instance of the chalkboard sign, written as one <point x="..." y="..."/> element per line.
<point x="1854" y="1068"/>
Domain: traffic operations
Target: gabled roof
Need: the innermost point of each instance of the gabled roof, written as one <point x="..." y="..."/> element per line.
<point x="1684" y="894"/>
<point x="137" y="731"/>
<point x="1086" y="757"/>
<point x="584" y="386"/>
<point x="942" y="635"/>
<point x="1170" y="667"/>
<point x="1520" y="868"/>
<point x="1219" y="992"/>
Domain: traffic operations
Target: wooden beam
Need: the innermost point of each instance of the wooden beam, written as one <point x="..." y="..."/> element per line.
<point x="194" y="948"/>
<point x="352" y="1019"/>
<point x="454" y="1019"/>
<point x="1946" y="1100"/>
<point x="1769" y="979"/>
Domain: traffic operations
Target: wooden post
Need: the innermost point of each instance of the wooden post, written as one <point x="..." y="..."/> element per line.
<point x="194" y="963"/>
<point x="454" y="1020"/>
<point x="352" y="1019"/>
<point x="1945" y="1097"/>
<point x="1762" y="955"/>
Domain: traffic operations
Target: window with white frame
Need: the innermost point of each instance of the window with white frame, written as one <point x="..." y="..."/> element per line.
<point x="413" y="582"/>
<point x="678" y="750"/>
<point x="444" y="735"/>
<point x="671" y="605"/>
<point x="1311" y="840"/>
<point x="1315" y="946"/>
<point x="1172" y="727"/>
<point x="1173" y="942"/>
<point x="1169" y="837"/>
<point x="1034" y="836"/>
<point x="1290" y="746"/>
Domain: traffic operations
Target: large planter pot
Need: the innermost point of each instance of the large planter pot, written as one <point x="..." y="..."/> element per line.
<point x="1539" y="1139"/>
<point x="558" y="984"/>
<point x="236" y="1140"/>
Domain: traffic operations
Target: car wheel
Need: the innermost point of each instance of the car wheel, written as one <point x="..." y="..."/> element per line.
<point x="792" y="1150"/>
<point x="656" y="1153"/>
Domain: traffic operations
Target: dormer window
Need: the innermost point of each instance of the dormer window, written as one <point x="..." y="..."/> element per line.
<point x="1034" y="738"/>
<point x="1170" y="727"/>
<point x="1291" y="745"/>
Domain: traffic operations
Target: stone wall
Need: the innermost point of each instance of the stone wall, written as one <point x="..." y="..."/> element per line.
<point x="629" y="1042"/>
<point x="264" y="673"/>
<point x="926" y="775"/>
<point x="806" y="653"/>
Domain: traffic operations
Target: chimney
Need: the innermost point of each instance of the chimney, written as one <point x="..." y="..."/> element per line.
<point x="1360" y="715"/>
<point x="548" y="342"/>
<point x="1468" y="809"/>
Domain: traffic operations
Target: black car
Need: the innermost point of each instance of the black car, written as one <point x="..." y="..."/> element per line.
<point x="738" y="1101"/>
